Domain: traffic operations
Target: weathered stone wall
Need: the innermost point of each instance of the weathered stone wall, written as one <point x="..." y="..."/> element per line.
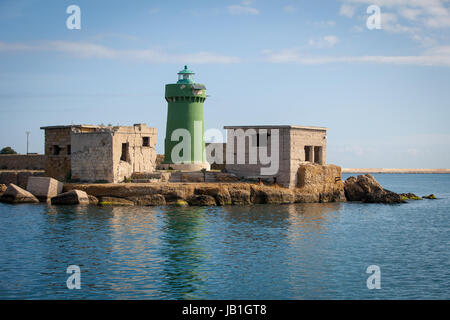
<point x="19" y="177"/>
<point x="299" y="138"/>
<point x="247" y="170"/>
<point x="57" y="165"/>
<point x="139" y="158"/>
<point x="92" y="156"/>
<point x="22" y="162"/>
<point x="322" y="180"/>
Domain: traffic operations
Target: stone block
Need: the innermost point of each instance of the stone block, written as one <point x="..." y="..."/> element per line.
<point x="15" y="194"/>
<point x="71" y="197"/>
<point x="44" y="188"/>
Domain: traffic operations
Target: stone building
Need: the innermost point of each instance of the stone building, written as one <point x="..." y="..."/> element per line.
<point x="296" y="145"/>
<point x="99" y="153"/>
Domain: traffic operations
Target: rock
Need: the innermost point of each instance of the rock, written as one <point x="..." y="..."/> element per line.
<point x="15" y="194"/>
<point x="44" y="187"/>
<point x="113" y="201"/>
<point x="336" y="196"/>
<point x="430" y="196"/>
<point x="353" y="191"/>
<point x="221" y="194"/>
<point x="319" y="183"/>
<point x="383" y="196"/>
<point x="409" y="196"/>
<point x="71" y="197"/>
<point x="92" y="200"/>
<point x="366" y="189"/>
<point x="226" y="177"/>
<point x="275" y="195"/>
<point x="301" y="197"/>
<point x="149" y="200"/>
<point x="202" y="200"/>
<point x="239" y="196"/>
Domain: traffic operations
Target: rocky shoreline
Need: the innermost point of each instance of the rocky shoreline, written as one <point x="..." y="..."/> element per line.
<point x="363" y="188"/>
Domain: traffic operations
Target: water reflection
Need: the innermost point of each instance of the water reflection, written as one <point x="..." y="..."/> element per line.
<point x="182" y="247"/>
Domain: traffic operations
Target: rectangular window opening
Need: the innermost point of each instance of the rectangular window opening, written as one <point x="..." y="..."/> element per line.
<point x="146" y="141"/>
<point x="56" y="150"/>
<point x="124" y="154"/>
<point x="308" y="153"/>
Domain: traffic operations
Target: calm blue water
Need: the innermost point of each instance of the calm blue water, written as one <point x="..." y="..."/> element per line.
<point x="301" y="251"/>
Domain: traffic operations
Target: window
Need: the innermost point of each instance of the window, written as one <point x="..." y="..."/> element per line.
<point x="308" y="153"/>
<point x="69" y="149"/>
<point x="146" y="141"/>
<point x="317" y="154"/>
<point x="56" y="150"/>
<point x="124" y="155"/>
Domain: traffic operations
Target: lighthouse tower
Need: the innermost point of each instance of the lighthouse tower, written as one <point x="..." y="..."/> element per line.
<point x="185" y="111"/>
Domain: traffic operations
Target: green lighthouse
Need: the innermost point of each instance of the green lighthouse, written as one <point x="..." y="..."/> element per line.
<point x="185" y="112"/>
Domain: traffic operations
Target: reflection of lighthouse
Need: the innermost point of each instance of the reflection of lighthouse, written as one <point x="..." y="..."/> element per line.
<point x="185" y="111"/>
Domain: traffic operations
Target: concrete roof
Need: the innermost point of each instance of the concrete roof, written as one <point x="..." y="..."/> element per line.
<point x="276" y="127"/>
<point x="89" y="126"/>
<point x="71" y="126"/>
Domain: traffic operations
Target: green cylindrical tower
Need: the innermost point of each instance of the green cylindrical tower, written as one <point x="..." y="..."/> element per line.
<point x="185" y="111"/>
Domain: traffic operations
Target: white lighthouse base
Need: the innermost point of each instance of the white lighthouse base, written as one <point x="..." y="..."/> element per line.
<point x="185" y="166"/>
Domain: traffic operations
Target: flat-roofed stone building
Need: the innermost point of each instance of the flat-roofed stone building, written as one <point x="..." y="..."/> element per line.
<point x="288" y="146"/>
<point x="99" y="153"/>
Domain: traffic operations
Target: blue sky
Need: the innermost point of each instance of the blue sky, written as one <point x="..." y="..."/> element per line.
<point x="383" y="93"/>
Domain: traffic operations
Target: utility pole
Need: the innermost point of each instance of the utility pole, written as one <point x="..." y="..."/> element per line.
<point x="28" y="133"/>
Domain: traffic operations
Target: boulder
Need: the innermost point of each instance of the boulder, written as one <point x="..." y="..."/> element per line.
<point x="92" y="200"/>
<point x="113" y="201"/>
<point x="431" y="196"/>
<point x="149" y="200"/>
<point x="319" y="183"/>
<point x="239" y="196"/>
<point x="306" y="197"/>
<point x="71" y="197"/>
<point x="15" y="194"/>
<point x="409" y="196"/>
<point x="44" y="187"/>
<point x="220" y="194"/>
<point x="366" y="189"/>
<point x="275" y="195"/>
<point x="202" y="200"/>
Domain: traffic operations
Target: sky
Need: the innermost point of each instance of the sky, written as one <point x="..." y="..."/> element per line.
<point x="384" y="93"/>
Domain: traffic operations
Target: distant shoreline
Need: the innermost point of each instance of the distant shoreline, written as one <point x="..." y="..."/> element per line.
<point x="388" y="170"/>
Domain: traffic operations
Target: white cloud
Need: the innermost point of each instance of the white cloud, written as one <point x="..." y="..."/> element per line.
<point x="237" y="9"/>
<point x="440" y="57"/>
<point x="324" y="42"/>
<point x="289" y="9"/>
<point x="427" y="13"/>
<point x="347" y="11"/>
<point x="92" y="50"/>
